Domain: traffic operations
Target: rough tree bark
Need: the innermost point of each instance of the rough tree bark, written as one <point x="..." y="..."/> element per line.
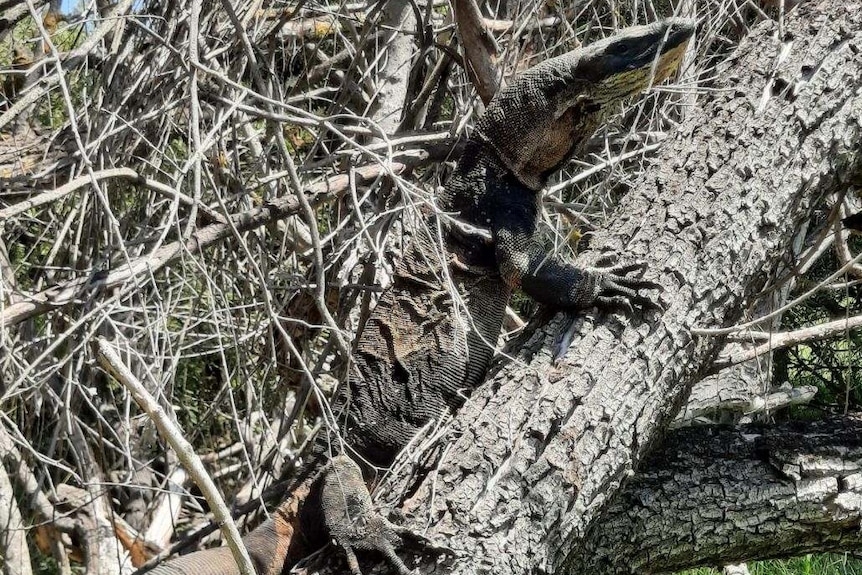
<point x="710" y="496"/>
<point x="538" y="453"/>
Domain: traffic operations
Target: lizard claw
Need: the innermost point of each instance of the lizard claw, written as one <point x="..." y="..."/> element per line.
<point x="617" y="289"/>
<point x="350" y="517"/>
<point x="615" y="302"/>
<point x="612" y="288"/>
<point x="606" y="260"/>
<point x="424" y="542"/>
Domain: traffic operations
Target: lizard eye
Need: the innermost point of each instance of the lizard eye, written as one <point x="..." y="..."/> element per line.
<point x="619" y="49"/>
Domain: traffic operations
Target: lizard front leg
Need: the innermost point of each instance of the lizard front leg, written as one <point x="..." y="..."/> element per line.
<point x="524" y="262"/>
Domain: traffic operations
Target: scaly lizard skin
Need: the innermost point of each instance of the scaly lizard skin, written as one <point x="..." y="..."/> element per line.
<point x="421" y="353"/>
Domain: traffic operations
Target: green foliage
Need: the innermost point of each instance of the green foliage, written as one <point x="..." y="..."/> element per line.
<point x="522" y="303"/>
<point x="298" y="138"/>
<point x="198" y="377"/>
<point x="43" y="564"/>
<point x="27" y="247"/>
<point x="830" y="365"/>
<point x="806" y="565"/>
<point x="51" y="111"/>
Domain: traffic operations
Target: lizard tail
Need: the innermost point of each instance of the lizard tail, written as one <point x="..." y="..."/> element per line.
<point x="271" y="546"/>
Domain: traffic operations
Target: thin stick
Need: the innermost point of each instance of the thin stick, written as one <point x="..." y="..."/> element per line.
<point x="782" y="309"/>
<point x="62" y="294"/>
<point x="80" y="182"/>
<point x="111" y="362"/>
<point x="785" y="339"/>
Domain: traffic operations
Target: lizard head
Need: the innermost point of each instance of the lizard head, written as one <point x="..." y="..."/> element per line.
<point x="633" y="60"/>
<point x="546" y="114"/>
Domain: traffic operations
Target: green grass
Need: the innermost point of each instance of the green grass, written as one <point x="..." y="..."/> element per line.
<point x="805" y="565"/>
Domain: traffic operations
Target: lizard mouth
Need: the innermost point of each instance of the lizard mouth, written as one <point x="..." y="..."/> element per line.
<point x="638" y="78"/>
<point x="673" y="49"/>
<point x="670" y="50"/>
<point x="653" y="67"/>
<point x="679" y="35"/>
<point x="644" y="58"/>
<point x="669" y="61"/>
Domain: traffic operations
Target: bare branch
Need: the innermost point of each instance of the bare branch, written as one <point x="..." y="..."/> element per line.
<point x="13" y="541"/>
<point x="480" y="49"/>
<point x="77" y="183"/>
<point x="782" y="340"/>
<point x="112" y="363"/>
<point x="64" y="294"/>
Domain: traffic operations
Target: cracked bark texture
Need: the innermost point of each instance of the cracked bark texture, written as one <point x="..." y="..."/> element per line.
<point x="536" y="455"/>
<point x="741" y="393"/>
<point x="711" y="496"/>
<point x="540" y="451"/>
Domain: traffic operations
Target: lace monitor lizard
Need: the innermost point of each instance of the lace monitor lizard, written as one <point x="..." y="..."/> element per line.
<point x="416" y="360"/>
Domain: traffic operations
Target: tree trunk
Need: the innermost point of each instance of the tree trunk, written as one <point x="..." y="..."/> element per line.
<point x="711" y="496"/>
<point x="540" y="450"/>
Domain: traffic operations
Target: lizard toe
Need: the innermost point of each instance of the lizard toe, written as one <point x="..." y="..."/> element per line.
<point x="615" y="302"/>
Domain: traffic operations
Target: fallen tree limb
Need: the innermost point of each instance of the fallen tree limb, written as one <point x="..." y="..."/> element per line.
<point x="711" y="496"/>
<point x="731" y="400"/>
<point x="781" y="340"/>
<point x="542" y="448"/>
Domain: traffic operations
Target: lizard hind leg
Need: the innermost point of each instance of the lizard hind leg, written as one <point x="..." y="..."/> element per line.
<point x="350" y="517"/>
